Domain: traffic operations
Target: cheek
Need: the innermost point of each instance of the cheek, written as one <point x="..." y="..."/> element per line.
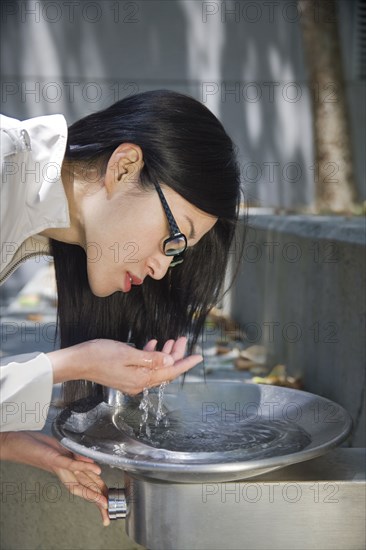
<point x="104" y="264"/>
<point x="139" y="242"/>
<point x="99" y="284"/>
<point x="120" y="244"/>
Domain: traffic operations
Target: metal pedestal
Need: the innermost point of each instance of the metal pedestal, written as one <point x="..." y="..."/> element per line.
<point x="318" y="504"/>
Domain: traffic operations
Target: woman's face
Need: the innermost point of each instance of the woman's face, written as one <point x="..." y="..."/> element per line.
<point x="125" y="227"/>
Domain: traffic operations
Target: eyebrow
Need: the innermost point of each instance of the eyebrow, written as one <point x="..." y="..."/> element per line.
<point x="193" y="233"/>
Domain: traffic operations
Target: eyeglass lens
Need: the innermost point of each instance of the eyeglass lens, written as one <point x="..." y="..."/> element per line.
<point x="174" y="246"/>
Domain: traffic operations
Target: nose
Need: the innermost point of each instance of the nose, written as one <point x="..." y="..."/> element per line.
<point x="158" y="266"/>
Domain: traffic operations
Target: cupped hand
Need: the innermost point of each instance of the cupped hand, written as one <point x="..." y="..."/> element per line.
<point x="120" y="366"/>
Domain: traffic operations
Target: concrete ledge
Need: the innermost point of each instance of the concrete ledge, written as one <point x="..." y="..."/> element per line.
<point x="331" y="228"/>
<point x="301" y="293"/>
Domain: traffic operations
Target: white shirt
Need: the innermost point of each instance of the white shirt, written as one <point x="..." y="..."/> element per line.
<point x="32" y="200"/>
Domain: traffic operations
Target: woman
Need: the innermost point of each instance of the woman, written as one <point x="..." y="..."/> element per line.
<point x="140" y="225"/>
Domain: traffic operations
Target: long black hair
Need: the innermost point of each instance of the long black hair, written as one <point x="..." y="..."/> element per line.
<point x="186" y="148"/>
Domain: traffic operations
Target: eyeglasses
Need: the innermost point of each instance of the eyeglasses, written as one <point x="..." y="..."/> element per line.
<point x="176" y="244"/>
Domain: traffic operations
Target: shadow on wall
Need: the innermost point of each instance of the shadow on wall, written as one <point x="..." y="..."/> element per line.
<point x="245" y="65"/>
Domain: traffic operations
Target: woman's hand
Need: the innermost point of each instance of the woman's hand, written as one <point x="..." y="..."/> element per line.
<point x="120" y="366"/>
<point x="79" y="474"/>
<point x="176" y="348"/>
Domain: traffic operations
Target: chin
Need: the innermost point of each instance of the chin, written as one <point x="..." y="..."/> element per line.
<point x="104" y="293"/>
<point x="100" y="294"/>
<point x="98" y="285"/>
<point x="100" y="291"/>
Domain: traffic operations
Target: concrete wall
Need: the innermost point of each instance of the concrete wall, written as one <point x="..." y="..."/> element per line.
<point x="301" y="293"/>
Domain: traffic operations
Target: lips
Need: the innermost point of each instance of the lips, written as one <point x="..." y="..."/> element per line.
<point x="135" y="280"/>
<point x="128" y="283"/>
<point x="130" y="280"/>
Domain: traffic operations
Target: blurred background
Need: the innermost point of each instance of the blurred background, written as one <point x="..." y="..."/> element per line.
<point x="245" y="60"/>
<point x="287" y="80"/>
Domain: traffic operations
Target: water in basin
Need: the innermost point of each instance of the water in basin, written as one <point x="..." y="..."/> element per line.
<point x="218" y="436"/>
<point x="187" y="432"/>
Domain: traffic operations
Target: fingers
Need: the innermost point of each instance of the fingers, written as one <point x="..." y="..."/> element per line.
<point x="168" y="346"/>
<point x="172" y="351"/>
<point x="76" y="465"/>
<point x="86" y="466"/>
<point x="151" y="345"/>
<point x="95" y="482"/>
<point x="165" y="365"/>
<point x="159" y="366"/>
<point x="81" y="476"/>
<point x="88" y="486"/>
<point x="97" y="493"/>
<point x="89" y="465"/>
<point x="90" y="493"/>
<point x="170" y="373"/>
<point x="83" y="458"/>
<point x="188" y="362"/>
<point x="179" y="348"/>
<point x="105" y="516"/>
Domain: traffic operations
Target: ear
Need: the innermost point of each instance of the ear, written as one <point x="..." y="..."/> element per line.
<point x="123" y="166"/>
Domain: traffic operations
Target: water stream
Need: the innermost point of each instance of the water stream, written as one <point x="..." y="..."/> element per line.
<point x="147" y="406"/>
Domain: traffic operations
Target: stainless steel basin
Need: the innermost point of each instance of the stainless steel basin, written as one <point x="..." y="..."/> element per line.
<point x="215" y="431"/>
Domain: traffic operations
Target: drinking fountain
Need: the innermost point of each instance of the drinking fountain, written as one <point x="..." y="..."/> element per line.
<point x="226" y="464"/>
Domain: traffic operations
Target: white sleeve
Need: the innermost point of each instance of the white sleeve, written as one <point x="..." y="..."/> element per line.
<point x="25" y="392"/>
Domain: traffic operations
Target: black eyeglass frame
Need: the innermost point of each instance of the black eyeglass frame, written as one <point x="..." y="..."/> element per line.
<point x="175" y="232"/>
